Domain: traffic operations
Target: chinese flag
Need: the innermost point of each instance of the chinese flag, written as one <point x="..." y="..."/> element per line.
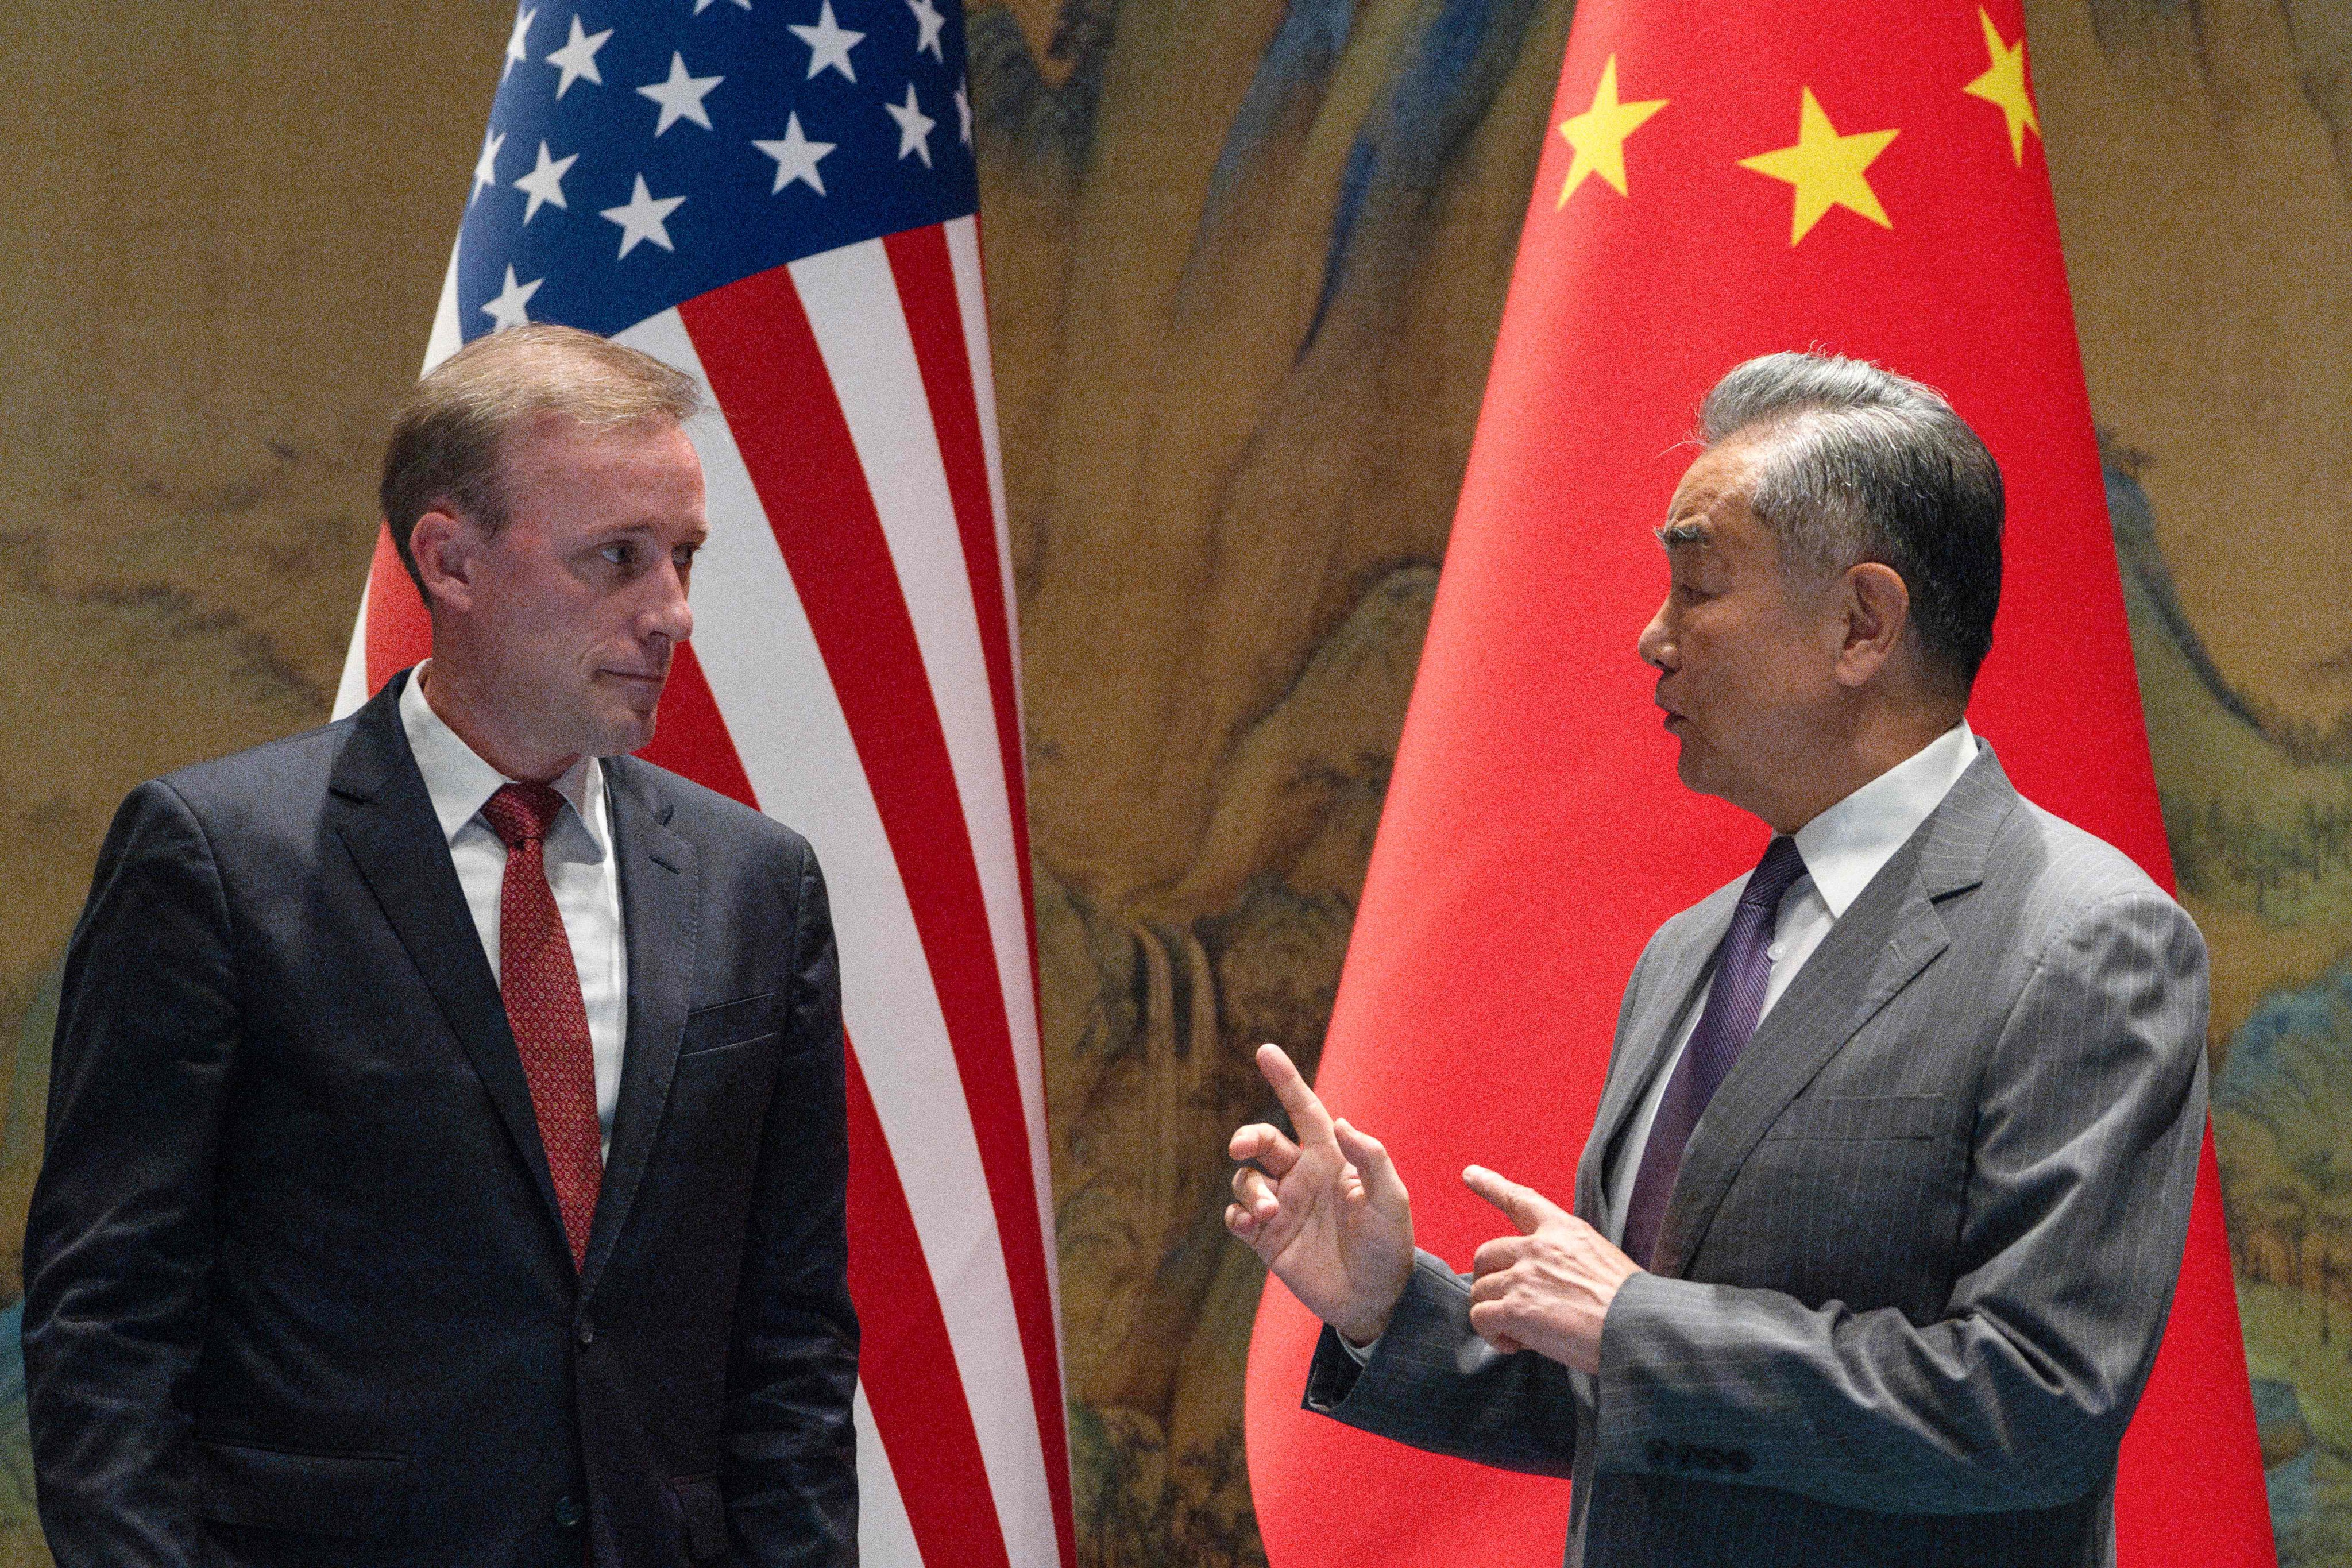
<point x="1719" y="180"/>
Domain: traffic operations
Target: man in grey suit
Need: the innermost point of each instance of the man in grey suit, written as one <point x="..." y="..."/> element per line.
<point x="1873" y="1240"/>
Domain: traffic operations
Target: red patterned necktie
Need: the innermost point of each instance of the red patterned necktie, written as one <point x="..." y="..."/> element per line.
<point x="541" y="986"/>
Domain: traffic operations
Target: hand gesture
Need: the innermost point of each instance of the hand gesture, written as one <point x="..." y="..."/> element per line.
<point x="1548" y="1288"/>
<point x="1327" y="1213"/>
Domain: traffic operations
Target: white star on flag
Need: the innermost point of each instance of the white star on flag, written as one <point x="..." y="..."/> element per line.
<point x="963" y="111"/>
<point x="682" y="96"/>
<point x="642" y="217"/>
<point x="516" y="53"/>
<point x="544" y="184"/>
<point x="486" y="167"/>
<point x="578" y="58"/>
<point x="914" y="127"/>
<point x="829" y="43"/>
<point x="702" y="5"/>
<point x="507" y="310"/>
<point x="796" y="156"/>
<point x="927" y="23"/>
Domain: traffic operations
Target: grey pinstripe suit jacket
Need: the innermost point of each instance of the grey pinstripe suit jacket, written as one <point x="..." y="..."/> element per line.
<point x="1916" y="1267"/>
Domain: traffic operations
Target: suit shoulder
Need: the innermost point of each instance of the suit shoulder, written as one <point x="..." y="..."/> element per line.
<point x="265" y="783"/>
<point x="2062" y="875"/>
<point x="1706" y="915"/>
<point x="704" y="815"/>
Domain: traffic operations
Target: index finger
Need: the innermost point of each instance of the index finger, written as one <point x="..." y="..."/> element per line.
<point x="1306" y="1113"/>
<point x="1526" y="1207"/>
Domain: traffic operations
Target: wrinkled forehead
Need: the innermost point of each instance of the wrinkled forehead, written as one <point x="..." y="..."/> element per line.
<point x="1709" y="509"/>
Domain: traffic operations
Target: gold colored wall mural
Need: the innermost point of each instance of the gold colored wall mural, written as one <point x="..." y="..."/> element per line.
<point x="1245" y="261"/>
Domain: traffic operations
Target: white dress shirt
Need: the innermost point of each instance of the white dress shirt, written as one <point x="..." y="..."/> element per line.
<point x="1843" y="847"/>
<point x="581" y="869"/>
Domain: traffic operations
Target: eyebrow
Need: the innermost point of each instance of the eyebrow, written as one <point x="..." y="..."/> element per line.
<point x="1675" y="534"/>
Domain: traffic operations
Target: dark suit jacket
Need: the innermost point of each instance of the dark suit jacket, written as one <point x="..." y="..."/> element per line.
<point x="1917" y="1262"/>
<point x="297" y="1291"/>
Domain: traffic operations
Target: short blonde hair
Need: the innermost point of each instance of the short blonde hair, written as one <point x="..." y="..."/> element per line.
<point x="448" y="450"/>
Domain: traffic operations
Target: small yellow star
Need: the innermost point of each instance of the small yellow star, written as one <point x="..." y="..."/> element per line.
<point x="1825" y="167"/>
<point x="1599" y="134"/>
<point x="2004" y="85"/>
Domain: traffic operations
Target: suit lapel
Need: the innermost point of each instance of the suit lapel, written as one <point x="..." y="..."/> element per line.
<point x="1666" y="994"/>
<point x="381" y="811"/>
<point x="1886" y="938"/>
<point x="658" y="900"/>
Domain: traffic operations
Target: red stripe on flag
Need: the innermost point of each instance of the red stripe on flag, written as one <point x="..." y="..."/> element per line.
<point x="767" y="373"/>
<point x="920" y="265"/>
<point x="926" y="279"/>
<point x="907" y="1364"/>
<point x="691" y="737"/>
<point x="399" y="633"/>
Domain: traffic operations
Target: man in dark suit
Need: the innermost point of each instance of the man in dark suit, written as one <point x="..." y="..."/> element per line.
<point x="446" y="1145"/>
<point x="1874" y="1237"/>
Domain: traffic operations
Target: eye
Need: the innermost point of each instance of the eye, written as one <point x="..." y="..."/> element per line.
<point x="683" y="556"/>
<point x="622" y="554"/>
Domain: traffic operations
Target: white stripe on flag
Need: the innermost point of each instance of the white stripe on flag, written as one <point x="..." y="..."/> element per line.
<point x="886" y="1537"/>
<point x="351" y="691"/>
<point x="769" y="679"/>
<point x="971" y="303"/>
<point x="448" y="336"/>
<point x="854" y="313"/>
<point x="445" y="339"/>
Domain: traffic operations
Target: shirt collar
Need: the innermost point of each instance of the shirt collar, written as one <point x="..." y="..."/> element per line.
<point x="1847" y="845"/>
<point x="460" y="781"/>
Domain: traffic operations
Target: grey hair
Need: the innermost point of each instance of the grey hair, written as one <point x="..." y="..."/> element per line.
<point x="1858" y="464"/>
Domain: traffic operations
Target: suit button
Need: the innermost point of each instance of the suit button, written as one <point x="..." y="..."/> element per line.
<point x="585" y="1333"/>
<point x="567" y="1511"/>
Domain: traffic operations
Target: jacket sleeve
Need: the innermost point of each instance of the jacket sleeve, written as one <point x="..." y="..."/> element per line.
<point x="2090" y="1119"/>
<point x="789" y="1466"/>
<point x="120" y="1242"/>
<point x="1430" y="1381"/>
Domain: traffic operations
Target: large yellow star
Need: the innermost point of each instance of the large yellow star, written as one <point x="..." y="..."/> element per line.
<point x="2004" y="84"/>
<point x="1825" y="167"/>
<point x="1599" y="134"/>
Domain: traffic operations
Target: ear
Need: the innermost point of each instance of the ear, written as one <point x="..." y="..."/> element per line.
<point x="445" y="548"/>
<point x="1875" y="605"/>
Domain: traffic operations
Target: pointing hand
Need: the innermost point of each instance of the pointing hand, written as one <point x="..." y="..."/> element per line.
<point x="1547" y="1289"/>
<point x="1328" y="1215"/>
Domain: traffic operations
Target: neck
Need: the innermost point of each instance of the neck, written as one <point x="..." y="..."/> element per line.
<point x="464" y="707"/>
<point x="1878" y="740"/>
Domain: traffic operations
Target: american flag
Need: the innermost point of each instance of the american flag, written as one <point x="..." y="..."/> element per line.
<point x="778" y="196"/>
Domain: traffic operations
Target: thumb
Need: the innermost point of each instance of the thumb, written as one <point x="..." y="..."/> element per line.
<point x="1364" y="1151"/>
<point x="1527" y="1208"/>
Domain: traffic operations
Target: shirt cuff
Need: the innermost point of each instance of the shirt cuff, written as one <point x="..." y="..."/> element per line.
<point x="1360" y="1354"/>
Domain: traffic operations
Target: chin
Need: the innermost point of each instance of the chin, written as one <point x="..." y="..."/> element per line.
<point x="629" y="735"/>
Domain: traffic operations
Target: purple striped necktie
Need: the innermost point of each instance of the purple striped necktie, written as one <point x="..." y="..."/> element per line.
<point x="1735" y="1000"/>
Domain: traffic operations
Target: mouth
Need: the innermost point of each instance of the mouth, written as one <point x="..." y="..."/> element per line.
<point x="638" y="678"/>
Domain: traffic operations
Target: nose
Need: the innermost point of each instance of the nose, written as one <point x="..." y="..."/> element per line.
<point x="667" y="614"/>
<point x="1654" y="645"/>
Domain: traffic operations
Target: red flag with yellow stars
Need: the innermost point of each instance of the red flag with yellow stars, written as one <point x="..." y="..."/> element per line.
<point x="1718" y="181"/>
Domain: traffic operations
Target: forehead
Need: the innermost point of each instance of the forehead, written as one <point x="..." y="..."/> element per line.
<point x="554" y="451"/>
<point x="1709" y="506"/>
